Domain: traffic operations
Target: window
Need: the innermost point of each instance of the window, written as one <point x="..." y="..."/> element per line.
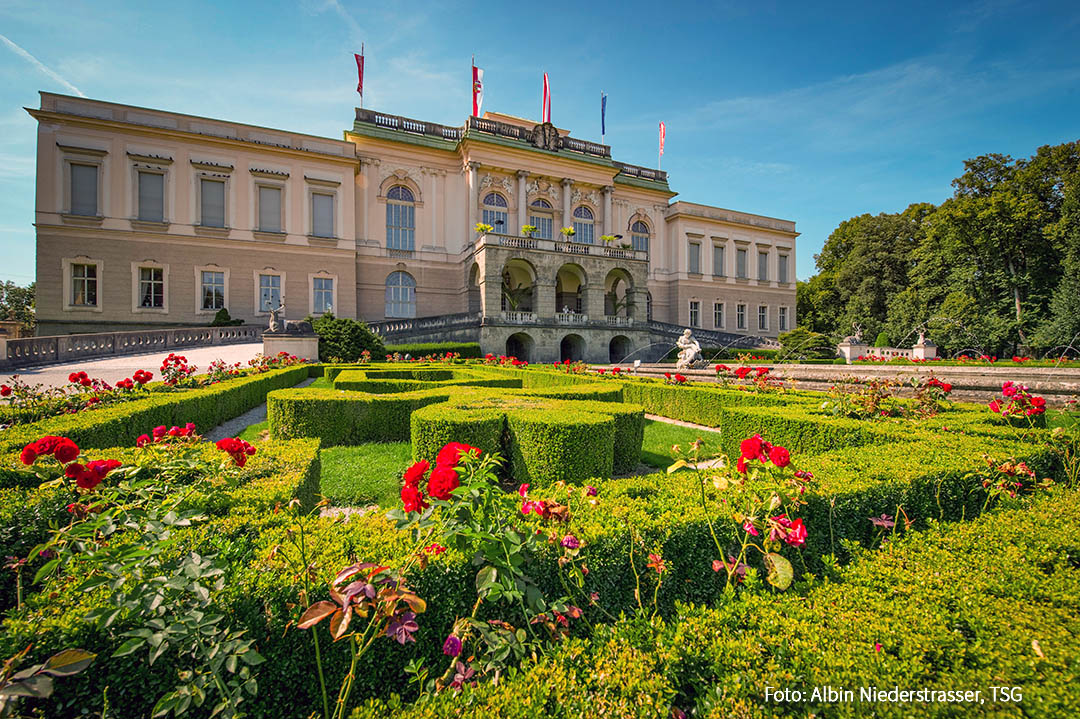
<point x="400" y="295"/>
<point x="718" y="314"/>
<point x="762" y="317"/>
<point x="84" y="189"/>
<point x="269" y="209"/>
<point x="718" y="260"/>
<point x="323" y="294"/>
<point x="322" y="214"/>
<point x="740" y="316"/>
<point x="695" y="313"/>
<point x="763" y="266"/>
<point x="495" y="212"/>
<point x="269" y="292"/>
<point x="84" y="285"/>
<point x="213" y="290"/>
<point x="151" y="288"/>
<point x="693" y="259"/>
<point x="541" y="218"/>
<point x="639" y="236"/>
<point x="782" y="319"/>
<point x="151" y="197"/>
<point x="781" y="269"/>
<point x="212" y="193"/>
<point x="583" y="225"/>
<point x="740" y="263"/>
<point x="400" y="219"/>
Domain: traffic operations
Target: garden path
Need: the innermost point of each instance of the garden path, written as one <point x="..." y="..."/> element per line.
<point x="114" y="369"/>
<point x="236" y="425"/>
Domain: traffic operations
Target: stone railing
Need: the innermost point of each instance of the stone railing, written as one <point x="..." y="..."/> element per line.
<point x="405" y="124"/>
<point x="616" y="321"/>
<point x="403" y="328"/>
<point x="645" y="173"/>
<point x="564" y="246"/>
<point x="30" y="351"/>
<point x="712" y="338"/>
<point x="571" y="318"/>
<point x="586" y="147"/>
<point x="519" y="318"/>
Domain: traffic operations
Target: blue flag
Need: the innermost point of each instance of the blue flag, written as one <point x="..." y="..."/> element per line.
<point x="603" y="112"/>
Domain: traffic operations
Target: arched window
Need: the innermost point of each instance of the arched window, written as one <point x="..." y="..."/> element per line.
<point x="541" y="217"/>
<point x="639" y="236"/>
<point x="495" y="212"/>
<point x="583" y="225"/>
<point x="400" y="295"/>
<point x="400" y="219"/>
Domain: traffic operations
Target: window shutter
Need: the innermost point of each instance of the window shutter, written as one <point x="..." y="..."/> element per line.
<point x="151" y="197"/>
<point x="213" y="203"/>
<point x="84" y="182"/>
<point x="270" y="209"/>
<point x="322" y="214"/>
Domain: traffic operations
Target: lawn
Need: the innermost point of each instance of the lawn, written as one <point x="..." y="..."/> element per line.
<point x="364" y="474"/>
<point x="660" y="436"/>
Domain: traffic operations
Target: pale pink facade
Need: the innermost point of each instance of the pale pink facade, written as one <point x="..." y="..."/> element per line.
<point x="151" y="218"/>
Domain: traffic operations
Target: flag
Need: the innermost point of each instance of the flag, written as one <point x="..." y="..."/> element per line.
<point x="360" y="70"/>
<point x="477" y="90"/>
<point x="545" y="110"/>
<point x="663" y="132"/>
<point x="603" y="112"/>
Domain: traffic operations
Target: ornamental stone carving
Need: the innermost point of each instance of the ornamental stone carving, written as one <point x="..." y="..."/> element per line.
<point x="542" y="188"/>
<point x="546" y="137"/>
<point x="591" y="197"/>
<point x="500" y="181"/>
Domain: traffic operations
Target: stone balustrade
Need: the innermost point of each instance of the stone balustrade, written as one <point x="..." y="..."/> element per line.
<point x="616" y="321"/>
<point x="519" y="318"/>
<point x="571" y="318"/>
<point x="58" y="349"/>
<point x="562" y="246"/>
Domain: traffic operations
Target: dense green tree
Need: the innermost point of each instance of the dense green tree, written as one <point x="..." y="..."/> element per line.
<point x="17" y="303"/>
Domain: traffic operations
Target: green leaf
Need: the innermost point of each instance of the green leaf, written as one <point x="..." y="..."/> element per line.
<point x="129" y="646"/>
<point x="252" y="658"/>
<point x="486" y="577"/>
<point x="780" y="571"/>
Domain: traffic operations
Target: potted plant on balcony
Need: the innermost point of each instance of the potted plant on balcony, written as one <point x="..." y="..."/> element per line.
<point x="483" y="229"/>
<point x="567" y="233"/>
<point x="607" y="239"/>
<point x="528" y="230"/>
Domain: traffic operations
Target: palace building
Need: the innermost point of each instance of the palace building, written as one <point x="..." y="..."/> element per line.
<point x="148" y="218"/>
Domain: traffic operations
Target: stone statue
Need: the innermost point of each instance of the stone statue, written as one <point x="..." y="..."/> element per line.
<point x="689" y="351"/>
<point x="280" y="325"/>
<point x="277" y="319"/>
<point x="922" y="337"/>
<point x="855" y="339"/>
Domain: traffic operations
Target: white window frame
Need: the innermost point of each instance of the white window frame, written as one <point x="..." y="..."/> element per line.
<point x="65" y="266"/>
<point x="718" y="325"/>
<point x="333" y="214"/>
<point x="322" y="275"/>
<point x="255" y="276"/>
<point x="415" y="299"/>
<point x="782" y="319"/>
<point x="280" y="187"/>
<point x="199" y="288"/>
<point x="740" y="316"/>
<point x="760" y="328"/>
<point x="137" y="170"/>
<point x="318" y="186"/>
<point x="634" y="236"/>
<point x="490" y="213"/>
<point x="580" y="225"/>
<point x="691" y="311"/>
<point x="199" y="177"/>
<point x="135" y="293"/>
<point x="541" y="218"/>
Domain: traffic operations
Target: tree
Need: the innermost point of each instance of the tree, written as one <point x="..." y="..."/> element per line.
<point x="17" y="303"/>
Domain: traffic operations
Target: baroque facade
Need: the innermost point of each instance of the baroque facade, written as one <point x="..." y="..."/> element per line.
<point x="148" y="218"/>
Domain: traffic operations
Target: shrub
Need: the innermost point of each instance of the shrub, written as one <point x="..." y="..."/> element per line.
<point x="882" y="340"/>
<point x="222" y="319"/>
<point x="802" y="343"/>
<point x="467" y="350"/>
<point x="345" y="339"/>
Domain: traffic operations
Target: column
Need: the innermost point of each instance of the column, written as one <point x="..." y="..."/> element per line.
<point x="432" y="207"/>
<point x="608" y="224"/>
<point x="567" y="217"/>
<point x="593" y="300"/>
<point x="544" y="298"/>
<point x="473" y="199"/>
<point x="523" y="210"/>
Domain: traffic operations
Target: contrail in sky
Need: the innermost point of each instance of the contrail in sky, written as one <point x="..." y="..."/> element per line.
<point x="40" y="65"/>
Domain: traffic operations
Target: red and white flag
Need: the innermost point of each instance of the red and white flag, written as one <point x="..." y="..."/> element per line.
<point x="360" y="70"/>
<point x="545" y="110"/>
<point x="663" y="133"/>
<point x="477" y="90"/>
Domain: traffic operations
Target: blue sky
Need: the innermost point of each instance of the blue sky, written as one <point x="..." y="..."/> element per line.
<point x="813" y="112"/>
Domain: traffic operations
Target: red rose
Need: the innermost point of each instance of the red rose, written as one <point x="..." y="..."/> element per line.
<point x="741" y="465"/>
<point x="751" y="447"/>
<point x="450" y="455"/>
<point x="158" y="432"/>
<point x="995" y="406"/>
<point x="66" y="451"/>
<point x="443" y="481"/>
<point x="413" y="498"/>
<point x="73" y="470"/>
<point x="5" y="391"/>
<point x="779" y="456"/>
<point x="143" y="440"/>
<point x="741" y="372"/>
<point x="28" y="455"/>
<point x="415" y="473"/>
<point x="796" y="535"/>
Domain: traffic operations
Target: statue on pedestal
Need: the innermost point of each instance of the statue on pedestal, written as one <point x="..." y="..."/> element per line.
<point x="279" y="325"/>
<point x="689" y="351"/>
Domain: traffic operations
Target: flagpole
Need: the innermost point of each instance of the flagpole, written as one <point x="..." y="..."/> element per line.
<point x="602" y="117"/>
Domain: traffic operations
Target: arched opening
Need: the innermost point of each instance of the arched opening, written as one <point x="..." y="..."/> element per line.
<point x="518" y="279"/>
<point x="495" y="212"/>
<point x="570" y="290"/>
<point x="400" y="219"/>
<point x="618" y="348"/>
<point x="542" y="217"/>
<point x="475" y="304"/>
<point x="519" y="345"/>
<point x="584" y="225"/>
<point x="617" y="297"/>
<point x="572" y="348"/>
<point x="639" y="236"/>
<point x="400" y="295"/>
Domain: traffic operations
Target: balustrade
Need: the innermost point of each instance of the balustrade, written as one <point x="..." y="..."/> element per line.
<point x="616" y="321"/>
<point x="519" y="318"/>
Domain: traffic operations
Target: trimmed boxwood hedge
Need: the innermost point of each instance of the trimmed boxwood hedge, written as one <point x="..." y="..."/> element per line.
<point x="467" y="350"/>
<point x="959" y="607"/>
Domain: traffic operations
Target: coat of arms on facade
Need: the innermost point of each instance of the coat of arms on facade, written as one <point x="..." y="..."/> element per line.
<point x="546" y="137"/>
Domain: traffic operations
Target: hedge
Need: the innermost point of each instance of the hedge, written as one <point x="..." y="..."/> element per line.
<point x="959" y="607"/>
<point x="122" y="423"/>
<point x="467" y="350"/>
<point x="929" y="478"/>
